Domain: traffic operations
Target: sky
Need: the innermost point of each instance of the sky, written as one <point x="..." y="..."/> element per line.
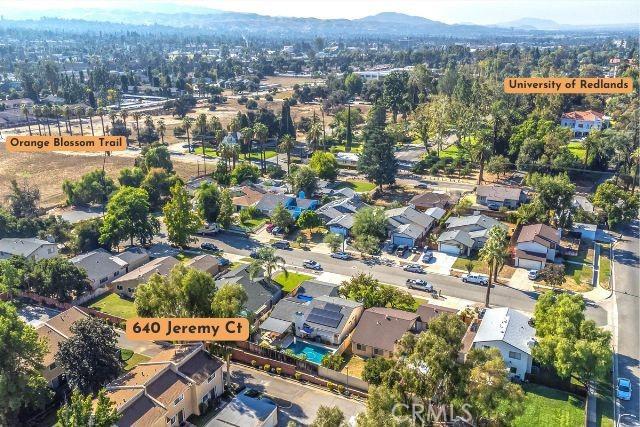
<point x="578" y="12"/>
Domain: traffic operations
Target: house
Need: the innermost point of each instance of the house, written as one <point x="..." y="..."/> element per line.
<point x="101" y="267"/>
<point x="347" y="159"/>
<point x="262" y="292"/>
<point x="407" y="225"/>
<point x="581" y="122"/>
<point x="436" y="213"/>
<point x="329" y="319"/>
<point x="536" y="244"/>
<point x="379" y="331"/>
<point x="54" y="332"/>
<point x="427" y="312"/>
<point x="509" y="331"/>
<point x="582" y="202"/>
<point x="465" y="233"/>
<point x="248" y="409"/>
<point x="207" y="263"/>
<point x="167" y="389"/>
<point x="430" y="199"/>
<point x="135" y="256"/>
<point x="295" y="205"/>
<point x="500" y="196"/>
<point x="585" y="231"/>
<point x="18" y="103"/>
<point x="246" y="196"/>
<point x="126" y="285"/>
<point x="28" y="247"/>
<point x="338" y="214"/>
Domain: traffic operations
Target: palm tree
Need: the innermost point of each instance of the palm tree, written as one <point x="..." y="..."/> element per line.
<point x="187" y="122"/>
<point x="201" y="124"/>
<point x="67" y="116"/>
<point x="313" y="135"/>
<point x="136" y="116"/>
<point x="46" y="112"/>
<point x="261" y="132"/>
<point x="79" y="114"/>
<point x="286" y="145"/>
<point x="235" y="153"/>
<point x="226" y="152"/>
<point x="113" y="116"/>
<point x="100" y="113"/>
<point x="57" y="111"/>
<point x="161" y="129"/>
<point x="124" y="114"/>
<point x="25" y="111"/>
<point x="247" y="134"/>
<point x="90" y="113"/>
<point x="267" y="260"/>
<point x="493" y="254"/>
<point x="37" y="112"/>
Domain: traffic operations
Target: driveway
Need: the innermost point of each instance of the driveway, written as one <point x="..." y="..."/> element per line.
<point x="295" y="401"/>
<point x="520" y="280"/>
<point x="441" y="263"/>
<point x="36" y="315"/>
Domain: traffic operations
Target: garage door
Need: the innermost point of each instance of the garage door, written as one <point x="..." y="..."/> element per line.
<point x="449" y="249"/>
<point x="402" y="240"/>
<point x="528" y="264"/>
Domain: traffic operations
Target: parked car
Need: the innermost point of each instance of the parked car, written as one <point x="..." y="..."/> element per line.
<point x="413" y="268"/>
<point x="223" y="262"/>
<point x="208" y="246"/>
<point x="401" y="250"/>
<point x="427" y="255"/>
<point x="254" y="253"/>
<point x="389" y="247"/>
<point x="479" y="279"/>
<point x="623" y="389"/>
<point x="309" y="263"/>
<point x="209" y="229"/>
<point x="270" y="227"/>
<point x="281" y="244"/>
<point x="419" y="284"/>
<point x="493" y="206"/>
<point x="533" y="274"/>
<point x="422" y="185"/>
<point x="276" y="230"/>
<point x="341" y="255"/>
<point x="415" y="250"/>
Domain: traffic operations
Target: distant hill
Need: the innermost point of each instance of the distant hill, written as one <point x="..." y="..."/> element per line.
<point x="532" y="24"/>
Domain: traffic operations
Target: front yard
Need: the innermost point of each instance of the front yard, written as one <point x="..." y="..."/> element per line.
<point x="481" y="267"/>
<point x="578" y="277"/>
<point x="113" y="304"/>
<point x="131" y="359"/>
<point x="357" y="185"/>
<point x="605" y="266"/>
<point x="291" y="281"/>
<point x="545" y="406"/>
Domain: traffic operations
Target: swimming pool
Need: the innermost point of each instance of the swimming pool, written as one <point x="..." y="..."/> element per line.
<point x="314" y="353"/>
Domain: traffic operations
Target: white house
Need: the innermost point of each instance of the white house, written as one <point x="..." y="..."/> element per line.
<point x="408" y="225"/>
<point x="509" y="331"/>
<point x="536" y="244"/>
<point x="101" y="267"/>
<point x="31" y="248"/>
<point x="582" y="122"/>
<point x="465" y="233"/>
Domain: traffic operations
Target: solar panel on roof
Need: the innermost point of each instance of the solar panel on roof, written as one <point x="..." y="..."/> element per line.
<point x="324" y="317"/>
<point x="332" y="307"/>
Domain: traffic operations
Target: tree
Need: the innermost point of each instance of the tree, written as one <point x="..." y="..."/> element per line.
<point x="371" y="293"/>
<point x="332" y="361"/>
<point x="375" y="370"/>
<point x="79" y="411"/>
<point x="185" y="292"/>
<point x="128" y="217"/>
<point x="493" y="398"/>
<point x="370" y="221"/>
<point x="10" y="278"/>
<point x="58" y="278"/>
<point x="287" y="144"/>
<point x="187" y="124"/>
<point x="378" y="161"/>
<point x="93" y="187"/>
<point x="328" y="417"/>
<point x="261" y="133"/>
<point x="281" y="217"/>
<point x="498" y="165"/>
<point x="304" y="179"/>
<point x="180" y="220"/>
<point x="90" y="357"/>
<point x="324" y="165"/>
<point x="553" y="274"/>
<point x="131" y="177"/>
<point x="353" y="83"/>
<point x="225" y="216"/>
<point x="555" y="193"/>
<point x="366" y="244"/>
<point x="266" y="259"/>
<point x="618" y="205"/>
<point x="23" y="200"/>
<point x="208" y="201"/>
<point x="155" y="156"/>
<point x="568" y="342"/>
<point x="334" y="241"/>
<point x="493" y="252"/>
<point x="381" y="402"/>
<point x="244" y="172"/>
<point x="394" y="91"/>
<point x="86" y="236"/>
<point x="21" y="357"/>
<point x="308" y="219"/>
<point x="314" y="134"/>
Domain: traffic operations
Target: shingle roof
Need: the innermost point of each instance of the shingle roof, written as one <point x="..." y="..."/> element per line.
<point x="98" y="263"/>
<point x="23" y="246"/>
<point x="479" y="220"/>
<point x="428" y="312"/>
<point x="508" y="325"/>
<point x="406" y="215"/>
<point x="142" y="412"/>
<point x="540" y="233"/>
<point x="431" y="199"/>
<point x="202" y="262"/>
<point x="200" y="366"/>
<point x="459" y="236"/>
<point x="383" y="327"/>
<point x="411" y="230"/>
<point x="259" y="291"/>
<point x="57" y="330"/>
<point x="162" y="266"/>
<point x="244" y="410"/>
<point x="269" y="201"/>
<point x="346" y="308"/>
<point x="499" y="192"/>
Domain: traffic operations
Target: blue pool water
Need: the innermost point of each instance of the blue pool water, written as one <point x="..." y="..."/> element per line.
<point x="314" y="353"/>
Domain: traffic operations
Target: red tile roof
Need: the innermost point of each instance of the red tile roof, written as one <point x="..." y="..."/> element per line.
<point x="588" y="116"/>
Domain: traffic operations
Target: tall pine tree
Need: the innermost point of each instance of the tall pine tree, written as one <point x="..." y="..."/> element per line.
<point x="286" y="123"/>
<point x="378" y="161"/>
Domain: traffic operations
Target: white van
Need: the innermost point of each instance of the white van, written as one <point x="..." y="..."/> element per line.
<point x="480" y="279"/>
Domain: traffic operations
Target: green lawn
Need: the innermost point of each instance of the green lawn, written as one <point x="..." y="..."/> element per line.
<point x="604" y="407"/>
<point x="210" y="152"/>
<point x="578" y="276"/>
<point x="357" y="185"/>
<point x="291" y="281"/>
<point x="337" y="148"/>
<point x="115" y="305"/>
<point x="578" y="150"/>
<point x="131" y="359"/>
<point x="550" y="407"/>
<point x="605" y="266"/>
<point x="254" y="223"/>
<point x="418" y="302"/>
<point x="450" y="151"/>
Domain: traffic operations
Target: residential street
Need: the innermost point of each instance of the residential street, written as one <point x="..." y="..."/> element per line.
<point x="450" y="286"/>
<point x="626" y="276"/>
<point x="295" y="401"/>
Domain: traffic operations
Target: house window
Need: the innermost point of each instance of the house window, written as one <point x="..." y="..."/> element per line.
<point x="515" y="355"/>
<point x="119" y="287"/>
<point x="131" y="290"/>
<point x="377" y="351"/>
<point x="513" y="370"/>
<point x="104" y="279"/>
<point x="116" y="274"/>
<point x="360" y="347"/>
<point x="486" y="347"/>
<point x="171" y="421"/>
<point x="178" y="399"/>
<point x="50" y="250"/>
<point x="52" y="366"/>
<point x="211" y="377"/>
